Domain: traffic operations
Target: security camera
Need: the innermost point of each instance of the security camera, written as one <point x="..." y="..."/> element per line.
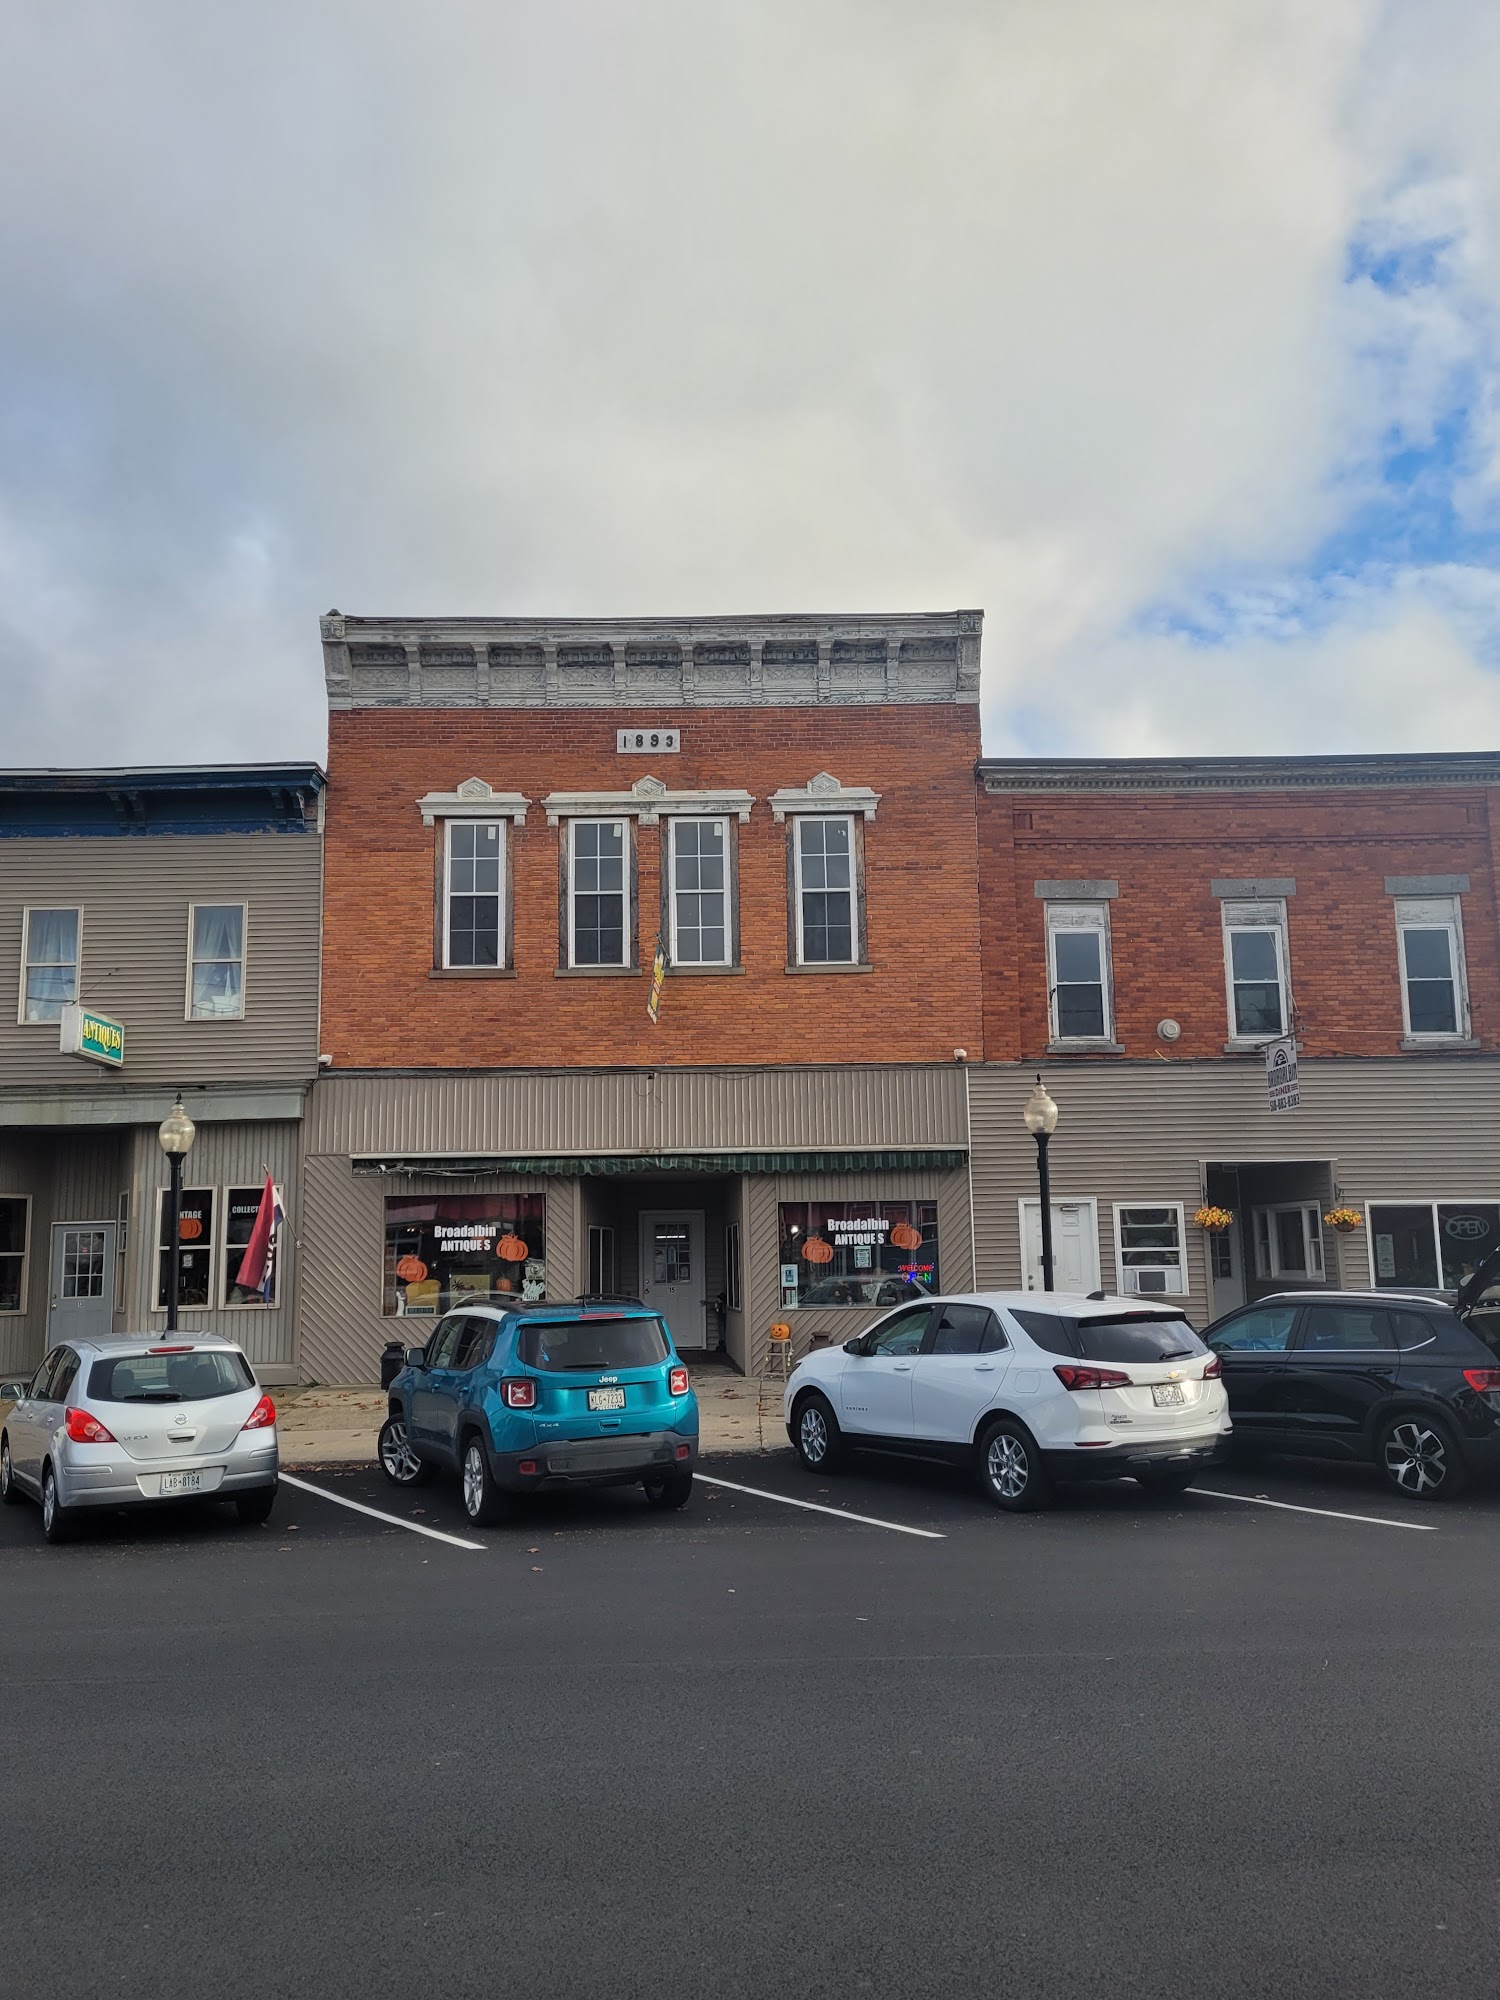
<point x="960" y="1055"/>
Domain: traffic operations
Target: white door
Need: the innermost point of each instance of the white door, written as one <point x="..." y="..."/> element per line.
<point x="1226" y="1271"/>
<point x="82" y="1299"/>
<point x="672" y="1271"/>
<point x="1075" y="1246"/>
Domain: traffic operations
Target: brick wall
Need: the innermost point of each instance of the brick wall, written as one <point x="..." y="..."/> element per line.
<point x="1165" y="850"/>
<point x="383" y="1007"/>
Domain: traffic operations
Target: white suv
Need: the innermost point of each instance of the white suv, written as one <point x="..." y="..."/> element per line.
<point x="1026" y="1387"/>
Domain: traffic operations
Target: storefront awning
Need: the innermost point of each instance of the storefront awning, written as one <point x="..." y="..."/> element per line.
<point x="588" y="1165"/>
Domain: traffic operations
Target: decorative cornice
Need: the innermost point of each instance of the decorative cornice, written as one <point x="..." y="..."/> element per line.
<point x="474" y="799"/>
<point x="1234" y="774"/>
<point x="648" y="798"/>
<point x="824" y="794"/>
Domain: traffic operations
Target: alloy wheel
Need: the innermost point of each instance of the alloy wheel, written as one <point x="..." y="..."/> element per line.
<point x="49" y="1500"/>
<point x="5" y="1472"/>
<point x="1416" y="1458"/>
<point x="1007" y="1465"/>
<point x="812" y="1435"/>
<point x="473" y="1482"/>
<point x="397" y="1458"/>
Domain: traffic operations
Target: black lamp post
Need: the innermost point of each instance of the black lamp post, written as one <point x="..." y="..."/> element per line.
<point x="176" y="1133"/>
<point x="1040" y="1115"/>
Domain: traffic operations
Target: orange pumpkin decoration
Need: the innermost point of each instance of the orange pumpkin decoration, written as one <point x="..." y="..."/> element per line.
<point x="512" y="1249"/>
<point x="816" y="1251"/>
<point x="411" y="1270"/>
<point x="189" y="1228"/>
<point x="905" y="1237"/>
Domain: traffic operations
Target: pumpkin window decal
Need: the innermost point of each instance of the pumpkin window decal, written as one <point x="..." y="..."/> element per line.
<point x="906" y="1237"/>
<point x="817" y="1251"/>
<point x="411" y="1270"/>
<point x="189" y="1228"/>
<point x="512" y="1249"/>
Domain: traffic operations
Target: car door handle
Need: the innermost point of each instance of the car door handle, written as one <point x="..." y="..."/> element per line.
<point x="901" y="1367"/>
<point x="984" y="1367"/>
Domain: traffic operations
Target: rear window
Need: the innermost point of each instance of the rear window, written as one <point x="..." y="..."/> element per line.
<point x="1113" y="1336"/>
<point x="564" y="1345"/>
<point x="169" y="1378"/>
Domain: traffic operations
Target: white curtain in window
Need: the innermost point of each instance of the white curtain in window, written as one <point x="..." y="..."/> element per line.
<point x="217" y="931"/>
<point x="52" y="937"/>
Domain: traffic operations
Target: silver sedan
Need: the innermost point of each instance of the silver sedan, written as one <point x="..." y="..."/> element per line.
<point x="136" y="1419"/>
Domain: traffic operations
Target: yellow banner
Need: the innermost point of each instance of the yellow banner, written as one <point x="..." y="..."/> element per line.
<point x="658" y="980"/>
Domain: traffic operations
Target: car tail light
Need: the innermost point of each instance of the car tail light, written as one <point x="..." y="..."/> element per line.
<point x="264" y="1413"/>
<point x="684" y="1451"/>
<point x="1214" y="1367"/>
<point x="519" y="1393"/>
<point x="527" y="1465"/>
<point x="677" y="1382"/>
<point x="1091" y="1378"/>
<point x="84" y="1429"/>
<point x="1483" y="1379"/>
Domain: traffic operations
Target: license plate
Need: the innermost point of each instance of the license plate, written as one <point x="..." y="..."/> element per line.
<point x="1165" y="1393"/>
<point x="181" y="1482"/>
<point x="606" y="1399"/>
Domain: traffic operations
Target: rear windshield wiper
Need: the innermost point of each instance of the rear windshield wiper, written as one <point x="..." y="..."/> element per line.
<point x="152" y="1396"/>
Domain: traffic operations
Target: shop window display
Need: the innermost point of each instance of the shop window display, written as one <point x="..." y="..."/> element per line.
<point x="858" y="1252"/>
<point x="442" y="1249"/>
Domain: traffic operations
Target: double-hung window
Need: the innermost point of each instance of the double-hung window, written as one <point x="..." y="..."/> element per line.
<point x="216" y="961"/>
<point x="1289" y="1241"/>
<point x="1434" y="1004"/>
<point x="599" y="892"/>
<point x="699" y="892"/>
<point x="1078" y="971"/>
<point x="49" y="963"/>
<point x="474" y="895"/>
<point x="827" y="914"/>
<point x="1255" y="970"/>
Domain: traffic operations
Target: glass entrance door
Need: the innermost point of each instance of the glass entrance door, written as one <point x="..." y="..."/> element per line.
<point x="81" y="1301"/>
<point x="672" y="1271"/>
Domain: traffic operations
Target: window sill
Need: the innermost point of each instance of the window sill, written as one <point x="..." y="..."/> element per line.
<point x="705" y="972"/>
<point x="796" y="971"/>
<point x="1085" y="1045"/>
<point x="1438" y="1044"/>
<point x="597" y="972"/>
<point x="472" y="972"/>
<point x="1245" y="1046"/>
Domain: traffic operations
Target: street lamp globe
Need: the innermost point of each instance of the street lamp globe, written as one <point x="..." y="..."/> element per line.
<point x="1040" y="1112"/>
<point x="177" y="1132"/>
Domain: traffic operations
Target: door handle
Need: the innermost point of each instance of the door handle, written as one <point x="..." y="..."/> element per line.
<point x="902" y="1367"/>
<point x="984" y="1367"/>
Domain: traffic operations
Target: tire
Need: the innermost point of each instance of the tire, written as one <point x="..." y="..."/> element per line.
<point x="1010" y="1468"/>
<point x="484" y="1503"/>
<point x="57" y="1520"/>
<point x="1419" y="1458"/>
<point x="668" y="1490"/>
<point x="816" y="1435"/>
<point x="10" y="1493"/>
<point x="398" y="1461"/>
<point x="1168" y="1479"/>
<point x="253" y="1508"/>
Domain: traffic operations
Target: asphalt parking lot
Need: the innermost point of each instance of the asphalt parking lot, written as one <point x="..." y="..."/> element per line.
<point x="1201" y="1746"/>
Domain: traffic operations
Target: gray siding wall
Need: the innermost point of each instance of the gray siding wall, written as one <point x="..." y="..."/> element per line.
<point x="134" y="893"/>
<point x="1426" y="1127"/>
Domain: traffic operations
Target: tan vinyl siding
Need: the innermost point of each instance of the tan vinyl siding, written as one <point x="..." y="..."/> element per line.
<point x="134" y="893"/>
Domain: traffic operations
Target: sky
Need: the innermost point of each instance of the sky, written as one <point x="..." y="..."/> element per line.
<point x="1168" y="334"/>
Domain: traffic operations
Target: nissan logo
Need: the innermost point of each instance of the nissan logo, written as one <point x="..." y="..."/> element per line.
<point x="1466" y="1228"/>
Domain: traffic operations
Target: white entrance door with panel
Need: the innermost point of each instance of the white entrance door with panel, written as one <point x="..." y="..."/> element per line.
<point x="672" y="1271"/>
<point x="82" y="1298"/>
<point x="1075" y="1246"/>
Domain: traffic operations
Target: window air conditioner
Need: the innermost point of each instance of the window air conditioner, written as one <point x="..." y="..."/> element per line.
<point x="1153" y="1278"/>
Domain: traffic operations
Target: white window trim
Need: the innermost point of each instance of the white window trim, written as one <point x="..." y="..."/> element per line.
<point x="854" y="937"/>
<point x="160" y="1249"/>
<point x="18" y="1311"/>
<point x="1311" y="1213"/>
<point x="1442" y="913"/>
<point x="627" y="941"/>
<point x="1432" y="1202"/>
<point x="244" y="960"/>
<point x="221" y="1202"/>
<point x="1275" y="924"/>
<point x="711" y="819"/>
<point x="502" y="955"/>
<point x="1179" y="1263"/>
<point x="733" y="1269"/>
<point x="647" y="800"/>
<point x="1095" y="917"/>
<point x="26" y="960"/>
<point x="474" y="799"/>
<point x="825" y="797"/>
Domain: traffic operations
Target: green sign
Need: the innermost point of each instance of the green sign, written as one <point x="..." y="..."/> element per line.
<point x="85" y="1033"/>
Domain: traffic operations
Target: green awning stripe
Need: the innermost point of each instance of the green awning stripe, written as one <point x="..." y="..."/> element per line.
<point x="590" y="1165"/>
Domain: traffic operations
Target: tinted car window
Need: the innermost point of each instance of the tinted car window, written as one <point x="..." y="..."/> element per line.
<point x="1261" y="1330"/>
<point x="901" y="1334"/>
<point x="562" y="1345"/>
<point x="444" y="1341"/>
<point x="169" y="1378"/>
<point x="1113" y="1336"/>
<point x="966" y="1330"/>
<point x="64" y="1377"/>
<point x="1328" y="1329"/>
<point x="1421" y="1330"/>
<point x="472" y="1344"/>
<point x="40" y="1382"/>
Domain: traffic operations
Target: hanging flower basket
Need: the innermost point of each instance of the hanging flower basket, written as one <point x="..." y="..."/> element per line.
<point x="1214" y="1220"/>
<point x="1343" y="1219"/>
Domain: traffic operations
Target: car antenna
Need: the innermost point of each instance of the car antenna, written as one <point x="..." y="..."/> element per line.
<point x="1095" y="1295"/>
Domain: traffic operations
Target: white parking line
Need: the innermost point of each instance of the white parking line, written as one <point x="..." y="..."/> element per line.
<point x="838" y="1513"/>
<point x="1328" y="1513"/>
<point x="392" y="1520"/>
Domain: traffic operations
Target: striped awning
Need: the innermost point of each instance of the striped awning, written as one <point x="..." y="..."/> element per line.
<point x="584" y="1166"/>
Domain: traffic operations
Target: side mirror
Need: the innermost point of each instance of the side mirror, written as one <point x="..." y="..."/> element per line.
<point x="855" y="1346"/>
<point x="415" y="1357"/>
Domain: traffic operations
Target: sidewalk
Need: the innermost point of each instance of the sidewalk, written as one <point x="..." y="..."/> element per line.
<point x="339" y="1426"/>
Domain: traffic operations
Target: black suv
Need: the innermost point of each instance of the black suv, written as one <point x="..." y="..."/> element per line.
<point x="1405" y="1381"/>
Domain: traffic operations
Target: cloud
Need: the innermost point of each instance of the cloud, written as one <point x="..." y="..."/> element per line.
<point x="841" y="304"/>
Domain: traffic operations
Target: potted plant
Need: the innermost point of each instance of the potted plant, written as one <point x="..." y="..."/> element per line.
<point x="1214" y="1220"/>
<point x="1343" y="1219"/>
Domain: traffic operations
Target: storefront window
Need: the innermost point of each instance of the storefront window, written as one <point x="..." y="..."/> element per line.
<point x="1427" y="1245"/>
<point x="443" y="1248"/>
<point x="857" y="1253"/>
<point x="196" y="1240"/>
<point x="241" y="1209"/>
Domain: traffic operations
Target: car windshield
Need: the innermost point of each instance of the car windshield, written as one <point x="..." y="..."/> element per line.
<point x="593" y="1343"/>
<point x="169" y="1378"/>
<point x="1126" y="1336"/>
